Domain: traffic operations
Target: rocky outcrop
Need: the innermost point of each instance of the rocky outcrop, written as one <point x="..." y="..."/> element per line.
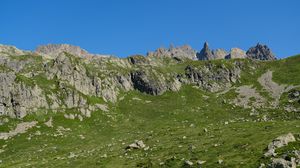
<point x="68" y="80"/>
<point x="17" y="97"/>
<point x="146" y="83"/>
<point x="279" y="142"/>
<point x="236" y="53"/>
<point x="260" y="52"/>
<point x="288" y="158"/>
<point x="205" y="53"/>
<point x="211" y="77"/>
<point x="53" y="50"/>
<point x="138" y="60"/>
<point x="174" y="52"/>
<point x="282" y="163"/>
<point x="11" y="50"/>
<point x="219" y="53"/>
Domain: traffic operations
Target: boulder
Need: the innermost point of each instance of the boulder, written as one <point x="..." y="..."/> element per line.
<point x="279" y="142"/>
<point x="138" y="144"/>
<point x="282" y="163"/>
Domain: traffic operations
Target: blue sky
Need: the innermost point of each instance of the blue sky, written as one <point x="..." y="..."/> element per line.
<point x="126" y="27"/>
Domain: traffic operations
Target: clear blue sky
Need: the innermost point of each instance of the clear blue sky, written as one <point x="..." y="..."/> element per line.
<point x="126" y="27"/>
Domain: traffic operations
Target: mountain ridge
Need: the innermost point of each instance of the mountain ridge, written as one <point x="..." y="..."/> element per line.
<point x="261" y="52"/>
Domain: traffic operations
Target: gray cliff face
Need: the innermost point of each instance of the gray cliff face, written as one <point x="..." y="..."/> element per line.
<point x="213" y="78"/>
<point x="17" y="98"/>
<point x="260" y="52"/>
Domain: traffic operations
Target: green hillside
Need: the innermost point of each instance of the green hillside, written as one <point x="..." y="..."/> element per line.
<point x="192" y="124"/>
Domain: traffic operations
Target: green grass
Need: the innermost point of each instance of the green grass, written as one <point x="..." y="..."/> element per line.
<point x="161" y="122"/>
<point x="286" y="71"/>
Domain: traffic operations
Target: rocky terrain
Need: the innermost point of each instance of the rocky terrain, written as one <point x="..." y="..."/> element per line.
<point x="174" y="107"/>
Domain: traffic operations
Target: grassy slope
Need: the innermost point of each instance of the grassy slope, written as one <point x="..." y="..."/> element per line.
<point x="161" y="122"/>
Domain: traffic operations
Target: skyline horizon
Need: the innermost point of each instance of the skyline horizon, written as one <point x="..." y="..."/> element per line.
<point x="124" y="28"/>
<point x="146" y="52"/>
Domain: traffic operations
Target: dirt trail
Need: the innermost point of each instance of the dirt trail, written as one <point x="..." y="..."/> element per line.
<point x="273" y="88"/>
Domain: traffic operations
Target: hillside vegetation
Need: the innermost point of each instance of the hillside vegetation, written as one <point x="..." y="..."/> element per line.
<point x="87" y="112"/>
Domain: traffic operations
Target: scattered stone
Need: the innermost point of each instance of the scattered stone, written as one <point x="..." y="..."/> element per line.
<point x="192" y="125"/>
<point x="138" y="144"/>
<point x="72" y="155"/>
<point x="188" y="163"/>
<point x="69" y="116"/>
<point x="81" y="136"/>
<point x="104" y="156"/>
<point x="38" y="133"/>
<point x="262" y="165"/>
<point x="200" y="162"/>
<point x="102" y="107"/>
<point x="80" y="118"/>
<point x="49" y="122"/>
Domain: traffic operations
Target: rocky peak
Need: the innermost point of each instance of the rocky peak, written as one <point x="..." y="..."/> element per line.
<point x="219" y="53"/>
<point x="260" y="52"/>
<point x="184" y="51"/>
<point x="54" y="50"/>
<point x="205" y="53"/>
<point x="236" y="53"/>
<point x="11" y="50"/>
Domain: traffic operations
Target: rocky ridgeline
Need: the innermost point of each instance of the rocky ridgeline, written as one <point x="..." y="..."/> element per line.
<point x="53" y="50"/>
<point x="60" y="77"/>
<point x="258" y="52"/>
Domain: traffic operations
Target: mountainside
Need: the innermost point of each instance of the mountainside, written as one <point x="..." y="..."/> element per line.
<point x="62" y="106"/>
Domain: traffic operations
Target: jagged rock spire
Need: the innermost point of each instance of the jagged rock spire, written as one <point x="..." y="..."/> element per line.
<point x="205" y="53"/>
